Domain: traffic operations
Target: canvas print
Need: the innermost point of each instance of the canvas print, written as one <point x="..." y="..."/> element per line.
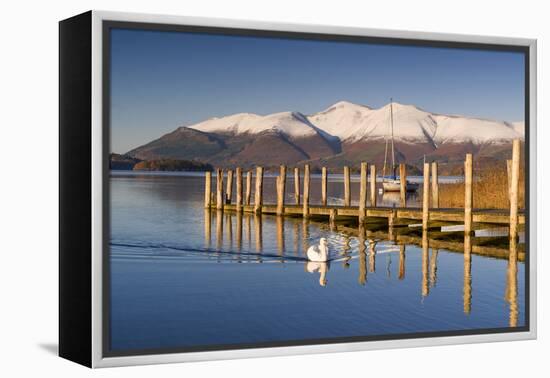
<point x="272" y="190"/>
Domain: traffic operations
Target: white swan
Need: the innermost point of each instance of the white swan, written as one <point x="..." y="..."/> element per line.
<point x="318" y="253"/>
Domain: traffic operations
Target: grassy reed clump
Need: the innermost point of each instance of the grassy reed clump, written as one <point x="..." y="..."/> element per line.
<point x="490" y="190"/>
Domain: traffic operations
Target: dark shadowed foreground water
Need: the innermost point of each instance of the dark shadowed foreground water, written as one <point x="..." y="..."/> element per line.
<point x="182" y="277"/>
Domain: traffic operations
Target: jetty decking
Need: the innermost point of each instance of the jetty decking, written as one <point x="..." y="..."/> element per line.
<point x="429" y="215"/>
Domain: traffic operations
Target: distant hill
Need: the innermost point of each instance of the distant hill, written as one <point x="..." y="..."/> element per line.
<point x="172" y="165"/>
<point x="122" y="162"/>
<point x="128" y="163"/>
<point x="343" y="134"/>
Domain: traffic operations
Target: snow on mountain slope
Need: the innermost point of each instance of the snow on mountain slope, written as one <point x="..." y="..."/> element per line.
<point x="352" y="122"/>
<point x="343" y="119"/>
<point x="519" y="127"/>
<point x="292" y="124"/>
<point x="455" y="129"/>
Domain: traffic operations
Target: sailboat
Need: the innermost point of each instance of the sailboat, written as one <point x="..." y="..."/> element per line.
<point x="392" y="183"/>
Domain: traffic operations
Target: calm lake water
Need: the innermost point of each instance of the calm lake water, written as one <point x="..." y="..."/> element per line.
<point x="182" y="277"/>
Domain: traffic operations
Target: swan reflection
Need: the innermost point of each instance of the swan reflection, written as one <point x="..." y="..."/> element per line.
<point x="321" y="268"/>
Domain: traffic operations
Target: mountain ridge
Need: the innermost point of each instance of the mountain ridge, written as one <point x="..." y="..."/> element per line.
<point x="339" y="133"/>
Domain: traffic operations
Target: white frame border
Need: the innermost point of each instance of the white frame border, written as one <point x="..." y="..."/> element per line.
<point x="97" y="196"/>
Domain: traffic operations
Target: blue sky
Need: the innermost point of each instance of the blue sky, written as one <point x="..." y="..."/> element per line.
<point x="163" y="80"/>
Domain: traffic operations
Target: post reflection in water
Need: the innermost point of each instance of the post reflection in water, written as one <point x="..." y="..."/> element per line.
<point x="305" y="235"/>
<point x="511" y="294"/>
<point x="372" y="255"/>
<point x="467" y="292"/>
<point x="425" y="262"/>
<point x="362" y="256"/>
<point x="229" y="226"/>
<point x="433" y="268"/>
<point x="219" y="229"/>
<point x="249" y="231"/>
<point x="401" y="262"/>
<point x="239" y="237"/>
<point x="346" y="252"/>
<point x="296" y="228"/>
<point x="281" y="235"/>
<point x="207" y="228"/>
<point x="258" y="232"/>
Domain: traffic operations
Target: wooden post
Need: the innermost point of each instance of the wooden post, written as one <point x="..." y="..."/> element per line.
<point x="248" y="188"/>
<point x="468" y="193"/>
<point x="509" y="172"/>
<point x="514" y="190"/>
<point x="435" y="186"/>
<point x="281" y="183"/>
<point x="258" y="191"/>
<point x="403" y="181"/>
<point x="306" y="192"/>
<point x="207" y="190"/>
<point x="324" y="186"/>
<point x="373" y="185"/>
<point x="297" y="185"/>
<point x="239" y="179"/>
<point x="426" y="197"/>
<point x="347" y="193"/>
<point x="363" y="193"/>
<point x="391" y="219"/>
<point x="229" y="186"/>
<point x="219" y="189"/>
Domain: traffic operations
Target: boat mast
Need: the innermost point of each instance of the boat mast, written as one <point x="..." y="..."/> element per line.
<point x="392" y="147"/>
<point x="385" y="156"/>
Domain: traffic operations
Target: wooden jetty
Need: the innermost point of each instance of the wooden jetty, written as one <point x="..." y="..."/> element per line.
<point x="430" y="215"/>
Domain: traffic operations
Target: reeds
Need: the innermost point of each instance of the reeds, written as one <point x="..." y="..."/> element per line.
<point x="490" y="190"/>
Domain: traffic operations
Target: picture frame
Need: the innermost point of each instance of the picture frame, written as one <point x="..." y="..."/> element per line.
<point x="85" y="108"/>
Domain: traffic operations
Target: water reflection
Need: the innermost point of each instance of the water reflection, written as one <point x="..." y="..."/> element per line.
<point x="401" y="262"/>
<point x="467" y="291"/>
<point x="364" y="245"/>
<point x="280" y="235"/>
<point x="321" y="268"/>
<point x="511" y="295"/>
<point x="425" y="262"/>
<point x="372" y="255"/>
<point x="393" y="199"/>
<point x="219" y="229"/>
<point x="345" y="254"/>
<point x="207" y="228"/>
<point x="239" y="237"/>
<point x="258" y="232"/>
<point x="362" y="256"/>
<point x="433" y="268"/>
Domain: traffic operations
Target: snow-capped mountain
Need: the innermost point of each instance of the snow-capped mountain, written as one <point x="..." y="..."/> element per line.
<point x="344" y="132"/>
<point x="351" y="122"/>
